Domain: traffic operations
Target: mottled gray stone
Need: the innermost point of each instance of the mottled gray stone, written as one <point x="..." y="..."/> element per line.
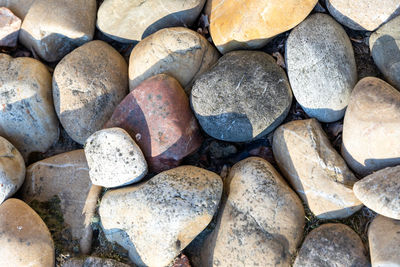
<point x="93" y="262"/>
<point x="321" y="67"/>
<point x="244" y="96"/>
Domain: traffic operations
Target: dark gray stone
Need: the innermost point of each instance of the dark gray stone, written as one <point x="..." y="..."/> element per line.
<point x="93" y="262"/>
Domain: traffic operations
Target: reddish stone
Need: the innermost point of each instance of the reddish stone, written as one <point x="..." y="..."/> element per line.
<point x="9" y="28"/>
<point x="158" y="116"/>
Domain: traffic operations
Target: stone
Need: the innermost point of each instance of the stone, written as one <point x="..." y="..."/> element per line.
<point x="260" y="221"/>
<point x="156" y="220"/>
<point x="332" y="244"/>
<point x="52" y="29"/>
<point x="363" y="15"/>
<point x="24" y="237"/>
<point x="9" y="28"/>
<point x="158" y="116"/>
<point x="88" y="84"/>
<point x="371" y="127"/>
<point x="315" y="169"/>
<point x="321" y="67"/>
<point x="114" y="159"/>
<point x="244" y="96"/>
<point x="66" y="176"/>
<point x="380" y="192"/>
<point x="236" y="25"/>
<point x="12" y="169"/>
<point x="129" y="21"/>
<point x="179" y="52"/>
<point x="384" y="44"/>
<point x="384" y="242"/>
<point x="93" y="262"/>
<point x="19" y="7"/>
<point x="27" y="117"/>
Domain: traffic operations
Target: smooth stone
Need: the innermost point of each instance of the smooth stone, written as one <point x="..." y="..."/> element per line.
<point x="88" y="84"/>
<point x="332" y="244"/>
<point x="93" y="262"/>
<point x="321" y="67"/>
<point x="384" y="44"/>
<point x="24" y="237"/>
<point x="371" y="127"/>
<point x="12" y="169"/>
<point x="315" y="169"/>
<point x="380" y="192"/>
<point x="250" y="24"/>
<point x="9" y="28"/>
<point x="27" y="118"/>
<point x="156" y="220"/>
<point x="179" y="52"/>
<point x="384" y="242"/>
<point x="52" y="29"/>
<point x="260" y="222"/>
<point x="114" y="159"/>
<point x="129" y="21"/>
<point x="244" y="96"/>
<point x="158" y="116"/>
<point x="66" y="176"/>
<point x="363" y="15"/>
<point x="19" y="7"/>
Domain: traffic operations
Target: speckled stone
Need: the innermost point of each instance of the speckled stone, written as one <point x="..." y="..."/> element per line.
<point x="18" y="7"/>
<point x="88" y="84"/>
<point x="244" y="96"/>
<point x="9" y="28"/>
<point x="332" y="244"/>
<point x="114" y="159"/>
<point x="24" y="237"/>
<point x="93" y="262"/>
<point x="156" y="220"/>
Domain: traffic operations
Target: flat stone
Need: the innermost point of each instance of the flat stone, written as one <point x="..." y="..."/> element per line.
<point x="158" y="116"/>
<point x="27" y="117"/>
<point x="129" y="21"/>
<point x="87" y="86"/>
<point x="260" y="222"/>
<point x="380" y="192"/>
<point x="114" y="159"/>
<point x="9" y="28"/>
<point x="52" y="29"/>
<point x="315" y="169"/>
<point x="250" y="24"/>
<point x="66" y="176"/>
<point x="364" y="15"/>
<point x="19" y="7"/>
<point x="321" y="67"/>
<point x="371" y="127"/>
<point x="93" y="262"/>
<point x="332" y="244"/>
<point x="12" y="169"/>
<point x="244" y="96"/>
<point x="178" y="52"/>
<point x="156" y="220"/>
<point x="384" y="44"/>
<point x="384" y="242"/>
<point x="24" y="237"/>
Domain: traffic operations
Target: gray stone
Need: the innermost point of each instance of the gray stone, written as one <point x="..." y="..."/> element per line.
<point x="9" y="28"/>
<point x="93" y="262"/>
<point x="18" y="7"/>
<point x="384" y="44"/>
<point x="321" y="67"/>
<point x="52" y="29"/>
<point x="244" y="96"/>
<point x="156" y="220"/>
<point x="87" y="86"/>
<point x="12" y="169"/>
<point x="128" y="21"/>
<point x="114" y="159"/>
<point x="332" y="245"/>
<point x="27" y="118"/>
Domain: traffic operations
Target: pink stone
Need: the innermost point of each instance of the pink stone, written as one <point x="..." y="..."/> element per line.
<point x="9" y="28"/>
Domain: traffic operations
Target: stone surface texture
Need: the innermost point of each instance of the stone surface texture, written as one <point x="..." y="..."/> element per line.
<point x="19" y="7"/>
<point x="93" y="262"/>
<point x="9" y="28"/>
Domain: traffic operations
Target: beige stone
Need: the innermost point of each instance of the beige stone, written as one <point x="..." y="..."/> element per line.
<point x="261" y="221"/>
<point x="24" y="237"/>
<point x="179" y="52"/>
<point x="315" y="170"/>
<point x="251" y="24"/>
<point x="18" y="7"/>
<point x="371" y="127"/>
<point x="9" y="28"/>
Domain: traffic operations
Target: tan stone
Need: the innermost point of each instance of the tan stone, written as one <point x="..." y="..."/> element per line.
<point x="371" y="127"/>
<point x="24" y="237"/>
<point x="18" y="7"/>
<point x="9" y="28"/>
<point x="179" y="52"/>
<point x="250" y="24"/>
<point x="315" y="169"/>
